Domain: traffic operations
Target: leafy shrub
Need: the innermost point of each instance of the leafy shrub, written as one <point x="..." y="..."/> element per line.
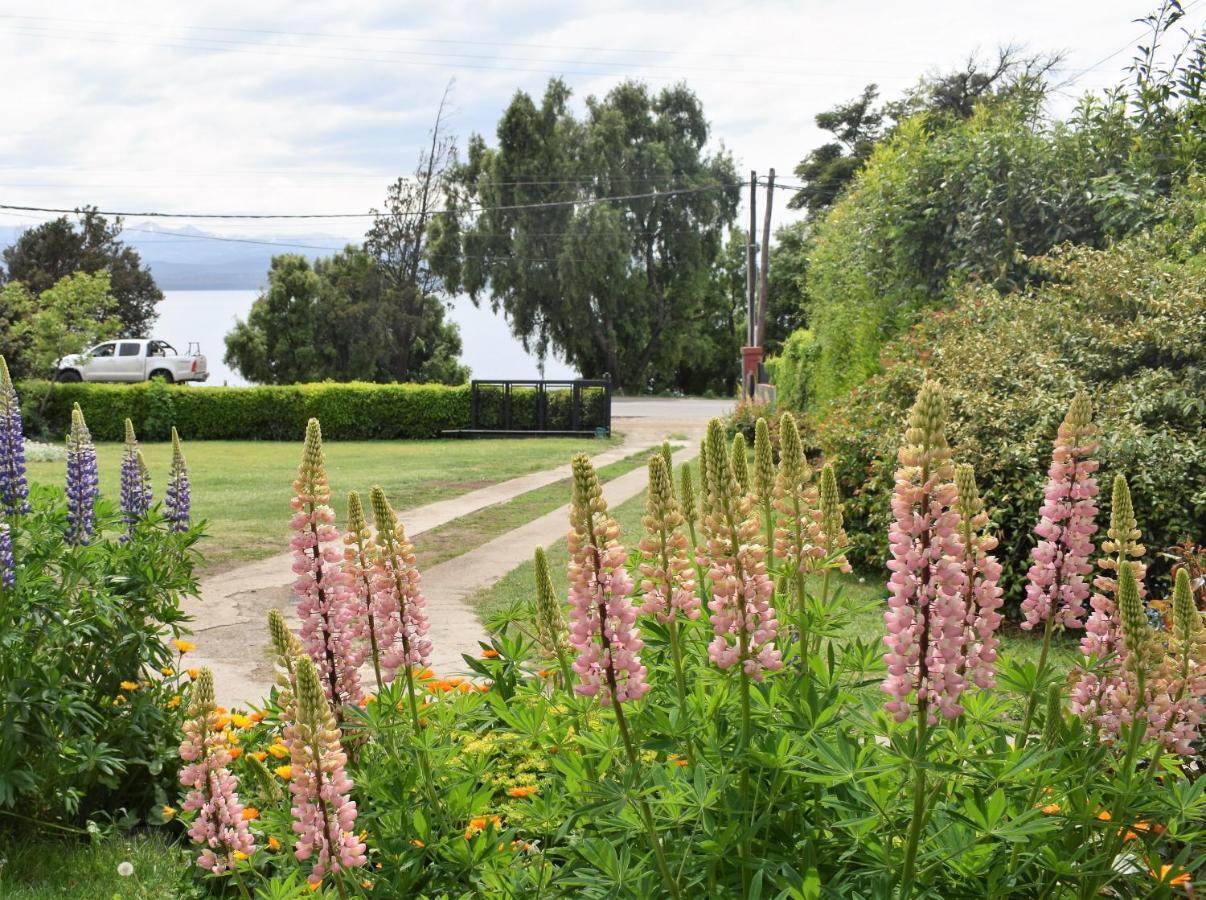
<point x="939" y="206"/>
<point x="1126" y="324"/>
<point x="355" y="411"/>
<point x="78" y="623"/>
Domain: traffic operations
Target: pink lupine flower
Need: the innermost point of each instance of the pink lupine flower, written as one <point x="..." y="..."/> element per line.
<point x="602" y="623"/>
<point x="1056" y="580"/>
<point x="212" y="789"/>
<point x="398" y="603"/>
<point x="667" y="575"/>
<point x="743" y="619"/>
<point x="926" y="616"/>
<point x="1098" y="681"/>
<point x="330" y="628"/>
<point x="981" y="572"/>
<point x="324" y="817"/>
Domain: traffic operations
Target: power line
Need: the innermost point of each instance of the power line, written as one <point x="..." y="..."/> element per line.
<point x="1127" y="46"/>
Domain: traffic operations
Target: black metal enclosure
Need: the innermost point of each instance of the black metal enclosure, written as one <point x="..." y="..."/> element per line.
<point x="520" y="408"/>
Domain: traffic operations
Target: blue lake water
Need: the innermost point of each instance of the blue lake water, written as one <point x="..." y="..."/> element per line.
<point x="490" y="350"/>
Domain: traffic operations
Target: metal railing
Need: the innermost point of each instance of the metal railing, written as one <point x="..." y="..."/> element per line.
<point x="522" y="407"/>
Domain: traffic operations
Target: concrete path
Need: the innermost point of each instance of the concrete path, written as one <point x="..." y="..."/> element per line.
<point x="229" y="617"/>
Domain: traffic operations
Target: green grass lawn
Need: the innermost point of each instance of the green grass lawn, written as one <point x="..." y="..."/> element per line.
<point x="243" y="487"/>
<point x="47" y="868"/>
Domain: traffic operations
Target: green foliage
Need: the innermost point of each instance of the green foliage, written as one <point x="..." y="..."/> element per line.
<point x="615" y="287"/>
<point x="1127" y="324"/>
<point x="340" y="319"/>
<point x="790" y="370"/>
<point x="353" y="411"/>
<point x="90" y="699"/>
<point x="68" y="317"/>
<point x="46" y="254"/>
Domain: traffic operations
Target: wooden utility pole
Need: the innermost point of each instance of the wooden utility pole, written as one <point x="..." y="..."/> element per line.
<point x="751" y="265"/>
<point x="764" y="273"/>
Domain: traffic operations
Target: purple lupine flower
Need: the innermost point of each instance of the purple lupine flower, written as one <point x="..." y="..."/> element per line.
<point x="82" y="480"/>
<point x="135" y="483"/>
<point x="176" y="498"/>
<point x="14" y="490"/>
<point x="8" y="573"/>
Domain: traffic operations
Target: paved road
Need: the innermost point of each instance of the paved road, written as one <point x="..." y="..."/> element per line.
<point x="669" y="407"/>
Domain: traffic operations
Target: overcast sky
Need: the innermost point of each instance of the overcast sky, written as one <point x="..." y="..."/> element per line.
<point x="302" y="107"/>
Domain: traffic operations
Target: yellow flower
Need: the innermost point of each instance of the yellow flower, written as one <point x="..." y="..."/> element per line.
<point x="184" y="646"/>
<point x="415" y="842"/>
<point x="366" y="884"/>
<point x="239" y="854"/>
<point x="280" y="751"/>
<point x="167" y="671"/>
<point x="259" y="756"/>
<point x="285" y="772"/>
<point x="273" y="844"/>
<point x="129" y="685"/>
<point x="240" y="721"/>
<point x="169" y="812"/>
<point x="119" y="699"/>
<point x="1165" y="871"/>
<point x="174" y="701"/>
<point x="249" y="813"/>
<point x="193" y="673"/>
<point x="314" y="885"/>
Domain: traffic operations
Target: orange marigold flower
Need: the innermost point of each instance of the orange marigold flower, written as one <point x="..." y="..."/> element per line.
<point x="257" y="716"/>
<point x="1165" y="871"/>
<point x="425" y="675"/>
<point x="193" y="673"/>
<point x="523" y="790"/>
<point x="273" y="843"/>
<point x="1104" y="815"/>
<point x="1051" y="809"/>
<point x="129" y="685"/>
<point x="415" y="842"/>
<point x="259" y="756"/>
<point x="454" y="681"/>
<point x="465" y="688"/>
<point x="235" y="752"/>
<point x="366" y="884"/>
<point x="174" y="701"/>
<point x="222" y="722"/>
<point x="240" y="721"/>
<point x="543" y="673"/>
<point x="285" y="772"/>
<point x="249" y="813"/>
<point x="184" y="646"/>
<point x="489" y="653"/>
<point x="367" y="699"/>
<point x="279" y="750"/>
<point x="169" y="812"/>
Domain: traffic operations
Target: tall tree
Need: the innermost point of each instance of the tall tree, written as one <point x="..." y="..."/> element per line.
<point x="596" y="236"/>
<point x="44" y="255"/>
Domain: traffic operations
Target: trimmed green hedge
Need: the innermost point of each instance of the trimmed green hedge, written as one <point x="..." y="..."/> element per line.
<point x="354" y="411"/>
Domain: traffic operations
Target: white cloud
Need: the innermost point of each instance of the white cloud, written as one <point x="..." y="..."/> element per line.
<point x="301" y="107"/>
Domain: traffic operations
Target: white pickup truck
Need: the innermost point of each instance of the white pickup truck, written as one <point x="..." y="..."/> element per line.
<point x="132" y="360"/>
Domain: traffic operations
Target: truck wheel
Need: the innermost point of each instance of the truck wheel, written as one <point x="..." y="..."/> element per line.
<point x="68" y="376"/>
<point x="163" y="374"/>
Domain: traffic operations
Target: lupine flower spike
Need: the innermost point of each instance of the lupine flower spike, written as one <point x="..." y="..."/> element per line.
<point x="8" y="569"/>
<point x="1056" y="581"/>
<point x="668" y="458"/>
<point x="793" y="538"/>
<point x="14" y="490"/>
<point x="324" y="817"/>
<point x="219" y="827"/>
<point x="1100" y="678"/>
<point x="82" y="480"/>
<point x="602" y="622"/>
<point x="550" y="621"/>
<point x="764" y="482"/>
<point x="288" y="650"/>
<point x="1188" y="666"/>
<point x="738" y="460"/>
<point x="830" y="519"/>
<point x="981" y="572"/>
<point x="177" y="498"/>
<point x="329" y="627"/>
<point x="399" y="603"/>
<point x="358" y="565"/>
<point x="926" y="616"/>
<point x="743" y="618"/>
<point x="135" y="482"/>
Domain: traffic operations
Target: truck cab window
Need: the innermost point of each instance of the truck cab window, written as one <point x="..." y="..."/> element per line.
<point x="128" y="349"/>
<point x="102" y="350"/>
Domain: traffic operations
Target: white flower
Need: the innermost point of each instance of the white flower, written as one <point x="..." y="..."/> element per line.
<point x="125" y="869"/>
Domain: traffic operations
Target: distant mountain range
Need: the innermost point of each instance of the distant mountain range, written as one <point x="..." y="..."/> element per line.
<point x="189" y="259"/>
